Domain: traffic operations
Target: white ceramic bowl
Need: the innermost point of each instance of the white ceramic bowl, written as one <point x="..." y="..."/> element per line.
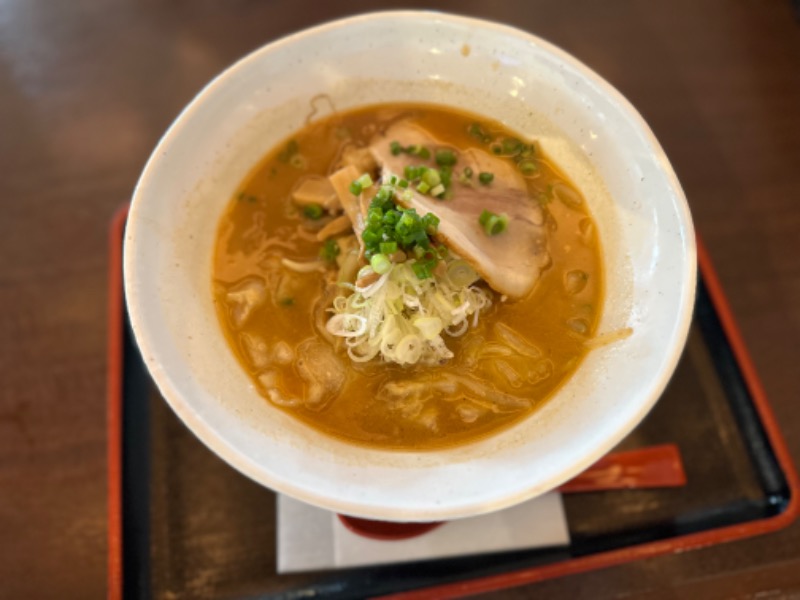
<point x="534" y="88"/>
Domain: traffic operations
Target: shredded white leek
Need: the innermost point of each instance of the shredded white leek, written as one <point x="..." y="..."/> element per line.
<point x="402" y="318"/>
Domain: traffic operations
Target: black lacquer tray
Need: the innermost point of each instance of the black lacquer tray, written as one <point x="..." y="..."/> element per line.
<point x="182" y="523"/>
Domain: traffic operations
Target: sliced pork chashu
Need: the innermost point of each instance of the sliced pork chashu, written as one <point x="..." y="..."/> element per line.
<point x="355" y="207"/>
<point x="510" y="262"/>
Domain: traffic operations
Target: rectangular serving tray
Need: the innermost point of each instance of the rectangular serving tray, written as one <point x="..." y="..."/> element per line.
<point x="183" y="523"/>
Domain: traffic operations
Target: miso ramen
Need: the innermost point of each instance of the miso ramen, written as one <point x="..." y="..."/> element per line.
<point x="408" y="276"/>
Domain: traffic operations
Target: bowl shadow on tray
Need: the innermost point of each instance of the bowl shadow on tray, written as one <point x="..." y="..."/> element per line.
<point x="193" y="525"/>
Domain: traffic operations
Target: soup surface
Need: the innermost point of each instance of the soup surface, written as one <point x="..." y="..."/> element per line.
<point x="277" y="284"/>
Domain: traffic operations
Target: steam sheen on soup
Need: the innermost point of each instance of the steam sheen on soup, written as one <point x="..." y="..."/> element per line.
<point x="408" y="276"/>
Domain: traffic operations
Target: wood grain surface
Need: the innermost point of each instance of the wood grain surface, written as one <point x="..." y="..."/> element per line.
<point x="88" y="86"/>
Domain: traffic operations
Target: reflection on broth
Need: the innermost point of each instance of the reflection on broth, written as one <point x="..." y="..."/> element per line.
<point x="408" y="276"/>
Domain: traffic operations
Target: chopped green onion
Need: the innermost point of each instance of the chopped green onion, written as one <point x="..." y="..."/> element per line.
<point x="365" y="180"/>
<point x="496" y="149"/>
<point x="413" y="173"/>
<point x="498" y="225"/>
<point x="446" y="174"/>
<point x="380" y="263"/>
<point x="445" y="158"/>
<point x="374" y="216"/>
<point x="390" y="228"/>
<point x="286" y="301"/>
<point x="393" y="180"/>
<point x="511" y="146"/>
<point x="467" y="172"/>
<point x="485" y="178"/>
<point x="384" y="194"/>
<point x="475" y="130"/>
<point x="313" y="211"/>
<point x="396" y="148"/>
<point x="370" y="237"/>
<point x="418" y="150"/>
<point x="423" y="188"/>
<point x="408" y="219"/>
<point x="391" y="218"/>
<point x="421" y="270"/>
<point x="438" y="191"/>
<point x="388" y="247"/>
<point x="493" y="224"/>
<point x="403" y="183"/>
<point x="420" y="237"/>
<point x="432" y="177"/>
<point x="355" y="188"/>
<point x="431" y="222"/>
<point x="528" y="167"/>
<point x="329" y="251"/>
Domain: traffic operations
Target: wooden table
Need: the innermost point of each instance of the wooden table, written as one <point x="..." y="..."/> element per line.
<point x="86" y="89"/>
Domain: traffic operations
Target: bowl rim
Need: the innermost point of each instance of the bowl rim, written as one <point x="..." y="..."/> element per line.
<point x="256" y="471"/>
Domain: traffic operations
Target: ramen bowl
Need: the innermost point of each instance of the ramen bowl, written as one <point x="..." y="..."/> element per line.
<point x="532" y="87"/>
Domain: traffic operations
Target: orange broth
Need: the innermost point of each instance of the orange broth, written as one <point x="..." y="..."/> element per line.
<point x="262" y="224"/>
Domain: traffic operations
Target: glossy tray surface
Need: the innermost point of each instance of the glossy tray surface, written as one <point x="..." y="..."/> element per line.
<point x="185" y="524"/>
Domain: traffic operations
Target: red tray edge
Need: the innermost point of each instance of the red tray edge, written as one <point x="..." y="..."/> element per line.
<point x="677" y="544"/>
<point x="483" y="584"/>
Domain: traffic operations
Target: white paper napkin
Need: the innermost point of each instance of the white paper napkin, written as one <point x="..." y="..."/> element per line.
<point x="310" y="538"/>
